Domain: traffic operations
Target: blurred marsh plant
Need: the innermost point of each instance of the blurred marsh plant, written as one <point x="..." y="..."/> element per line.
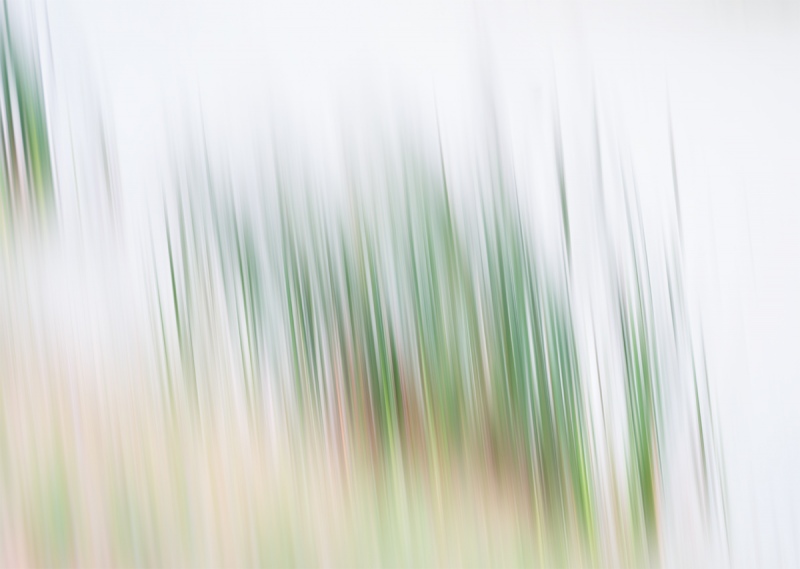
<point x="397" y="377"/>
<point x="416" y="341"/>
<point x="209" y="293"/>
<point x="26" y="177"/>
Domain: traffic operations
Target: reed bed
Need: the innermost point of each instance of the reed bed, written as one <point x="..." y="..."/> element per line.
<point x="413" y="340"/>
<point x="396" y="377"/>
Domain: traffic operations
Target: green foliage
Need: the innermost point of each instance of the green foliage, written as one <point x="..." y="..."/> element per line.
<point x="412" y="339"/>
<point x="26" y="179"/>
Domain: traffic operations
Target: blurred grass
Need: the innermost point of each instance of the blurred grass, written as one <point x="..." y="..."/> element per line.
<point x="435" y="381"/>
<point x="414" y="347"/>
<point x="26" y="178"/>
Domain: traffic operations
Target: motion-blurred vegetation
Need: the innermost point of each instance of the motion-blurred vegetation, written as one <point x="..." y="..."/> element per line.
<point x="417" y="339"/>
<point x="26" y="179"/>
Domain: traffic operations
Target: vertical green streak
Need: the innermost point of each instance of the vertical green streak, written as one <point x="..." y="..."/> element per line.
<point x="26" y="166"/>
